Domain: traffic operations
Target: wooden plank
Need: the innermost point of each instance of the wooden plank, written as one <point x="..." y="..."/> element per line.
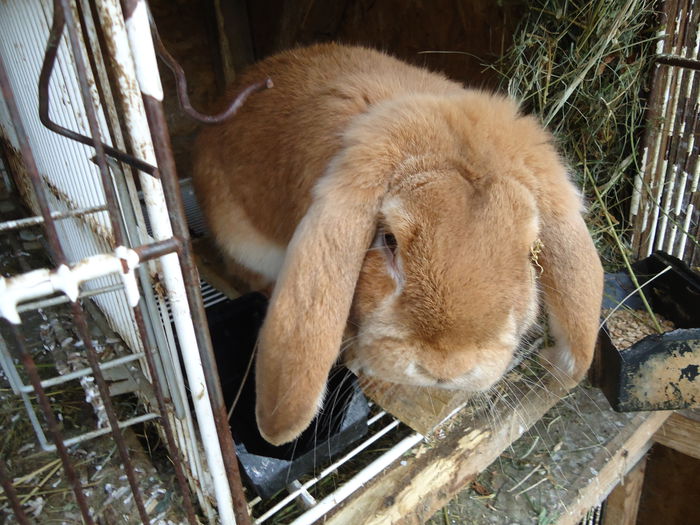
<point x="422" y="409"/>
<point x="623" y="502"/>
<point x="578" y="477"/>
<point x="680" y="433"/>
<point x="410" y="491"/>
<point x="611" y="464"/>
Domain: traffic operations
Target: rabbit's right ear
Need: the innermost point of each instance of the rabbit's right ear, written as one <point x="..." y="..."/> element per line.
<point x="302" y="333"/>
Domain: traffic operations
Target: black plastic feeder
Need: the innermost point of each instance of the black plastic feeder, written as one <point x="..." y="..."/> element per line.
<point x="234" y="327"/>
<point x="662" y="371"/>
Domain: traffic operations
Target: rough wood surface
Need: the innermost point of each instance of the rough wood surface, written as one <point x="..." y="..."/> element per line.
<point x="623" y="502"/>
<point x="422" y="409"/>
<point x="566" y="479"/>
<point x="411" y="491"/>
<point x="611" y="464"/>
<point x="680" y="433"/>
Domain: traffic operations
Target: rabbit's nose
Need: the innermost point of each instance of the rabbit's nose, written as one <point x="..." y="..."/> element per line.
<point x="432" y="376"/>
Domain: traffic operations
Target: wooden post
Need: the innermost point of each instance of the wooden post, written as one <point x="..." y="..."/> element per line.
<point x="623" y="503"/>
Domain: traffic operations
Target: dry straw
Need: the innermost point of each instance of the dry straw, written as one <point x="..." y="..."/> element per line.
<point x="582" y="67"/>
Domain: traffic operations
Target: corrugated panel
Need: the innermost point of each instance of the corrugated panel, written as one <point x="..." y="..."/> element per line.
<point x="71" y="179"/>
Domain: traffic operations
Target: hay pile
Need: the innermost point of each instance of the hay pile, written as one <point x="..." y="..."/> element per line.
<point x="582" y="67"/>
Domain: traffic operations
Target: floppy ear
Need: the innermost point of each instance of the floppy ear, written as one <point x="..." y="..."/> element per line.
<point x="572" y="283"/>
<point x="301" y="336"/>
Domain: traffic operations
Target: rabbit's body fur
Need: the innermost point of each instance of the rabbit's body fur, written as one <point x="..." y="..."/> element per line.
<point x="311" y="182"/>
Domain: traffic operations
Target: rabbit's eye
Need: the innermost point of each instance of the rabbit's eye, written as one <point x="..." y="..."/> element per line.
<point x="390" y="242"/>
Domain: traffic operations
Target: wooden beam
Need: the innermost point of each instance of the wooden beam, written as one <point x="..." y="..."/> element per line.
<point x="623" y="502"/>
<point x="680" y="433"/>
<point x="410" y="491"/>
<point x="611" y="464"/>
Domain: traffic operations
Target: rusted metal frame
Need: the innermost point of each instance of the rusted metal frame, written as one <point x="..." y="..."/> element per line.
<point x="52" y="423"/>
<point x="181" y="84"/>
<point x="173" y="450"/>
<point x="57" y="251"/>
<point x="11" y="495"/>
<point x="166" y="165"/>
<point x="55" y="215"/>
<point x="59" y="256"/>
<point x="152" y="250"/>
<point x="57" y="27"/>
<point x="118" y="231"/>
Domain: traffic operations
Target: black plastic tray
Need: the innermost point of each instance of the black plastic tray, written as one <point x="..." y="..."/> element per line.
<point x="234" y="326"/>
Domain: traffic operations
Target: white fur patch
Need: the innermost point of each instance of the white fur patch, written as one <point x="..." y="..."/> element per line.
<point x="259" y="255"/>
<point x="561" y="357"/>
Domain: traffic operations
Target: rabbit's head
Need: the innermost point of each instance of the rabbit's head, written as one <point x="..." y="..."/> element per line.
<point x="447" y="288"/>
<point x="418" y="246"/>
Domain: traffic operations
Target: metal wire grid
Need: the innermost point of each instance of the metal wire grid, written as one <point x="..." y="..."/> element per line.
<point x="665" y="209"/>
<point x="65" y="197"/>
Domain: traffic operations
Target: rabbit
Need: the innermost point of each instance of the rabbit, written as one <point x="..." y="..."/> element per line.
<point x="395" y="210"/>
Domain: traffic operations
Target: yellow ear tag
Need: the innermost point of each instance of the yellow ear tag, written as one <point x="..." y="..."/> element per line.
<point x="535" y="251"/>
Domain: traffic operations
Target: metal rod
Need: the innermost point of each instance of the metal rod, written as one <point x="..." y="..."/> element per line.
<point x="11" y="495"/>
<point x="173" y="450"/>
<point x="185" y="296"/>
<point x="119" y="237"/>
<point x="54" y="41"/>
<point x="166" y="164"/>
<point x="158" y="249"/>
<point x="58" y="254"/>
<point x="55" y="215"/>
<point x="676" y="61"/>
<point x="181" y="84"/>
<point x="52" y="423"/>
<point x="104" y="431"/>
<point x="62" y="299"/>
<point x="81" y="324"/>
<point x="58" y="380"/>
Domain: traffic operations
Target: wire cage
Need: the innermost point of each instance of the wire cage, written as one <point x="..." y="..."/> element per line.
<point x="85" y="140"/>
<point x="119" y="308"/>
<point x="102" y="247"/>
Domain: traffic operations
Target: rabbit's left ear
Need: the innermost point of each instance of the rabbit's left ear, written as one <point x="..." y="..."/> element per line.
<point x="572" y="283"/>
<point x="302" y="333"/>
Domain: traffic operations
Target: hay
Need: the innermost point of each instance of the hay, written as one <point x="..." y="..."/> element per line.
<point x="582" y="68"/>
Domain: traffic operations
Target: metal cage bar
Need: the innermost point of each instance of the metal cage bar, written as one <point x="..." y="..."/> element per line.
<point x="168" y="247"/>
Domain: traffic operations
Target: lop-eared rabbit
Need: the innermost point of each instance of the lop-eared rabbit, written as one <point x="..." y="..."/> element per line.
<point x="396" y="214"/>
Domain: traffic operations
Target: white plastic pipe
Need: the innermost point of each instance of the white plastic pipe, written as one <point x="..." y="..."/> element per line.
<point x="133" y="50"/>
<point x="67" y="279"/>
<point x="359" y="480"/>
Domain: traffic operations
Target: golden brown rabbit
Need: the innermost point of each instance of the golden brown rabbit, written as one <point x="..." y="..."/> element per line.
<point x="387" y="199"/>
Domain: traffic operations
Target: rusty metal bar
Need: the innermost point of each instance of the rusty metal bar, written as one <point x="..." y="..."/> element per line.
<point x="166" y="164"/>
<point x="11" y="495"/>
<point x="81" y="324"/>
<point x="59" y="255"/>
<point x="157" y="249"/>
<point x="173" y="450"/>
<point x="57" y="252"/>
<point x="55" y="215"/>
<point x="119" y="236"/>
<point x="91" y="115"/>
<point x="57" y="26"/>
<point x="52" y="423"/>
<point x="181" y="84"/>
